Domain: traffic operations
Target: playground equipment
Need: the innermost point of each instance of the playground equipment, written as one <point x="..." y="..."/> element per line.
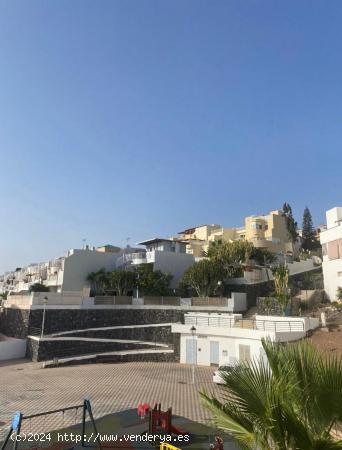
<point x="143" y="409"/>
<point x="20" y="420"/>
<point x="161" y="421"/>
<point x="165" y="446"/>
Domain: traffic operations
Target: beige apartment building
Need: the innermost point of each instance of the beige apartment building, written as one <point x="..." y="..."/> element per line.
<point x="265" y="231"/>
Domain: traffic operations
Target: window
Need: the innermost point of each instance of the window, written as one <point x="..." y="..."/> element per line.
<point x="333" y="250"/>
<point x="244" y="352"/>
<point x="339" y="274"/>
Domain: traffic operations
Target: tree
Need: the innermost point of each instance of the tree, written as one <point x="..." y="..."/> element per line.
<point x="231" y="256"/>
<point x="38" y="287"/>
<point x="263" y="256"/>
<point x="291" y="224"/>
<point x="309" y="240"/>
<point x="339" y="293"/>
<point x="98" y="281"/>
<point x="292" y="401"/>
<point x="121" y="281"/>
<point x="281" y="282"/>
<point x="204" y="277"/>
<point x="152" y="282"/>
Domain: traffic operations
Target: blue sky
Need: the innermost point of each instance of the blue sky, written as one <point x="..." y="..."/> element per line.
<point x="138" y="118"/>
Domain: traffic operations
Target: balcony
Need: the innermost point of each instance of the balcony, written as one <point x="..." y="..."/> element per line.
<point x="138" y="258"/>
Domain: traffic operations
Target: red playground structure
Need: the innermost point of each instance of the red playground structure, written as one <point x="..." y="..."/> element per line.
<point x="161" y="422"/>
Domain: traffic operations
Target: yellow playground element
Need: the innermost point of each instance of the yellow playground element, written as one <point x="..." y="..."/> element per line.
<point x="165" y="446"/>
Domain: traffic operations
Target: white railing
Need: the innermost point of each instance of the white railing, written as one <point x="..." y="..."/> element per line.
<point x="209" y="321"/>
<point x="285" y="326"/>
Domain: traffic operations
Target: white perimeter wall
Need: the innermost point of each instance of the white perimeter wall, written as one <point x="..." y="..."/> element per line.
<point x="11" y="348"/>
<point x="174" y="264"/>
<point x="228" y="348"/>
<point x="237" y="302"/>
<point x="230" y="339"/>
<point x="332" y="275"/>
<point x="78" y="266"/>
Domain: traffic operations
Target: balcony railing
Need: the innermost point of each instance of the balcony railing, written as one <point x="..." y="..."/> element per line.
<point x="255" y="324"/>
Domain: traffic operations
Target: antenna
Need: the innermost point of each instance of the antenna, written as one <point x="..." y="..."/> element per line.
<point x="127" y="240"/>
<point x="84" y="240"/>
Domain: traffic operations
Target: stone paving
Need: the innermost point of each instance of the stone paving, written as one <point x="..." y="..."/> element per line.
<point x="27" y="387"/>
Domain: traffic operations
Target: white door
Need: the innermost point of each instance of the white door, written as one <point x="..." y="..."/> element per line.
<point x="214" y="353"/>
<point x="191" y="351"/>
<point x="244" y="352"/>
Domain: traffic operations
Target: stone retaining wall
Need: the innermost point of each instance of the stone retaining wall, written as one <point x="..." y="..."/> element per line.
<point x="41" y="350"/>
<point x="46" y="350"/>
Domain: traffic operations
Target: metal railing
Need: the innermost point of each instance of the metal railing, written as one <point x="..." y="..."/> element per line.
<point x="251" y="324"/>
<point x="160" y="300"/>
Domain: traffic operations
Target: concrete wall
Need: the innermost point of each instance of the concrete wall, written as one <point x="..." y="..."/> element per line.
<point x="229" y="343"/>
<point x="11" y="348"/>
<point x="78" y="265"/>
<point x="53" y="298"/>
<point x="174" y="264"/>
<point x="332" y="275"/>
<point x="229" y="339"/>
<point x="237" y="302"/>
<point x="332" y="268"/>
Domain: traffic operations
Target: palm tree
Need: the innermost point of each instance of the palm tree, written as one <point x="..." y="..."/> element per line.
<point x="292" y="402"/>
<point x="98" y="280"/>
<point x="281" y="281"/>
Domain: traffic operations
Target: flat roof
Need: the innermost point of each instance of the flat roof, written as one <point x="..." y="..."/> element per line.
<point x="192" y="229"/>
<point x="156" y="240"/>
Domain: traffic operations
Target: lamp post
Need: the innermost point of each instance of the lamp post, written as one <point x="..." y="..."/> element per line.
<point x="194" y="354"/>
<point x="43" y="320"/>
<point x="138" y="277"/>
<point x="219" y="284"/>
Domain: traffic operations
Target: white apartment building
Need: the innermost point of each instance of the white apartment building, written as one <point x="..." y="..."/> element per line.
<point x="226" y="339"/>
<point x="66" y="273"/>
<point x="166" y="255"/>
<point x="331" y="240"/>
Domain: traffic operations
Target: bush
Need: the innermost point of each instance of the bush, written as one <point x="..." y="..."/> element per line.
<point x="38" y="287"/>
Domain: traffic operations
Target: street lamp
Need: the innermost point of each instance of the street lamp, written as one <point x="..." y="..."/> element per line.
<point x="194" y="355"/>
<point x="219" y="284"/>
<point x="43" y="321"/>
<point x="138" y="277"/>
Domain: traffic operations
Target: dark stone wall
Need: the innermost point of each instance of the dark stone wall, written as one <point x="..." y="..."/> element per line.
<point x="143" y="357"/>
<point x="48" y="350"/>
<point x="152" y="334"/>
<point x="14" y="322"/>
<point x="45" y="350"/>
<point x="57" y="320"/>
<point x="21" y="323"/>
<point x="269" y="306"/>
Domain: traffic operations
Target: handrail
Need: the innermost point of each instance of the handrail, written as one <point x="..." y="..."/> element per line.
<point x="254" y="324"/>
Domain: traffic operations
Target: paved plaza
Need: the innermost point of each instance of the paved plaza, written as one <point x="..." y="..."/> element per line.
<point x="27" y="387"/>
